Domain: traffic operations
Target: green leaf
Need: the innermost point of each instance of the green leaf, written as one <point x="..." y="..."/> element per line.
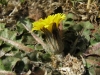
<point x="92" y="71"/>
<point x="20" y="28"/>
<point x="1" y="65"/>
<point x="8" y="34"/>
<point x="14" y="61"/>
<point x="9" y="62"/>
<point x="38" y="47"/>
<point x="4" y="2"/>
<point x="28" y="24"/>
<point x="22" y="1"/>
<point x="70" y="16"/>
<point x="19" y="54"/>
<point x="26" y="62"/>
<point x="27" y="39"/>
<point x="33" y="55"/>
<point x="86" y="33"/>
<point x="1" y="42"/>
<point x="18" y="68"/>
<point x="68" y="24"/>
<point x="77" y="27"/>
<point x="46" y="57"/>
<point x="31" y="46"/>
<point x="6" y="47"/>
<point x="2" y="26"/>
<point x="93" y="41"/>
<point x="87" y="25"/>
<point x="97" y="37"/>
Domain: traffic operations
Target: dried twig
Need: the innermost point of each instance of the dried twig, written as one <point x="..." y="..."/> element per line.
<point x="17" y="45"/>
<point x="14" y="11"/>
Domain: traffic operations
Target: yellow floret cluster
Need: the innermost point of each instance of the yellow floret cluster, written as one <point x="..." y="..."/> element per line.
<point x="48" y="22"/>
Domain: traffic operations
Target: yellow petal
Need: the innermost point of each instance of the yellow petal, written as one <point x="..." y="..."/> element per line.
<point x="48" y="22"/>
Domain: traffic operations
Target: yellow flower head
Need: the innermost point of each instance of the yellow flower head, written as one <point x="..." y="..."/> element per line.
<point x="48" y="22"/>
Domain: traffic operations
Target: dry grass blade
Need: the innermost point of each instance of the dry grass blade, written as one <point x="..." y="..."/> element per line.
<point x="17" y="45"/>
<point x="88" y="4"/>
<point x="35" y="37"/>
<point x="6" y="73"/>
